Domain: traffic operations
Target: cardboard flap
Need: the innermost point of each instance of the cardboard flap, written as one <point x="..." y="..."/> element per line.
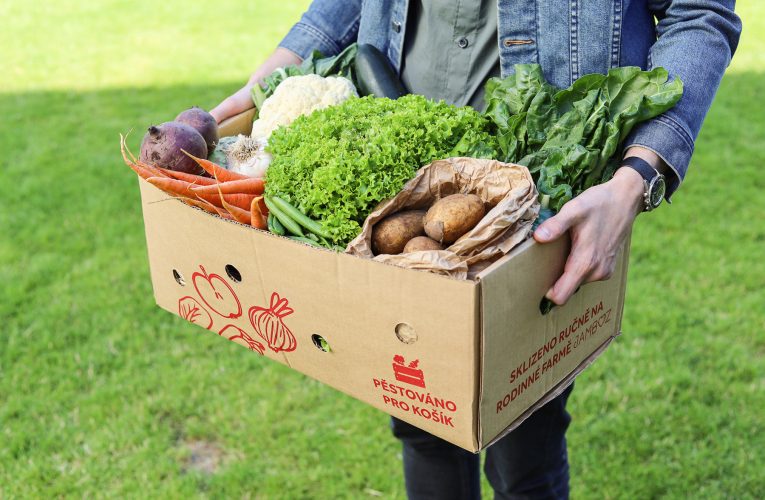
<point x="237" y="124"/>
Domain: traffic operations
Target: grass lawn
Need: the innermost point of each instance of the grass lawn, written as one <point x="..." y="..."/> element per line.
<point x="104" y="394"/>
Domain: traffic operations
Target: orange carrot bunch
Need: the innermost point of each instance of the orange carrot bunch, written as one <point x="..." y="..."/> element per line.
<point x="228" y="194"/>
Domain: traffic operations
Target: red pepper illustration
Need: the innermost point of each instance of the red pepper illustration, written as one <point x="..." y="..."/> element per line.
<point x="190" y="310"/>
<point x="217" y="294"/>
<point x="236" y="334"/>
<point x="269" y="325"/>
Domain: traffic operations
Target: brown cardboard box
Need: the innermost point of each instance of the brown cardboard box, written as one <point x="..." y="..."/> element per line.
<point x="467" y="361"/>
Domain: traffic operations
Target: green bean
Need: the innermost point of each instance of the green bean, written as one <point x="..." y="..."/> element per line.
<point x="300" y="217"/>
<point x="274" y="225"/>
<point x="289" y="224"/>
<point x="305" y="240"/>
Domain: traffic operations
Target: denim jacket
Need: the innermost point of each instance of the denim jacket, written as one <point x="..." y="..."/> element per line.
<point x="692" y="39"/>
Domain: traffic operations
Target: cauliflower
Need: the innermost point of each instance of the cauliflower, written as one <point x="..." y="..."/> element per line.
<point x="300" y="95"/>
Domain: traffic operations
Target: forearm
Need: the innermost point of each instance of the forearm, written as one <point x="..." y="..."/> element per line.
<point x="696" y="40"/>
<point x="280" y="58"/>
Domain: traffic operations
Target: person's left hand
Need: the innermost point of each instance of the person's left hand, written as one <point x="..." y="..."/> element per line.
<point x="599" y="220"/>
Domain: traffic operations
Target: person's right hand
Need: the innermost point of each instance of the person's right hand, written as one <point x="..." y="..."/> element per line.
<point x="241" y="100"/>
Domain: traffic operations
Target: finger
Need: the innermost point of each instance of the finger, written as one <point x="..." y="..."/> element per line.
<point x="557" y="225"/>
<point x="576" y="271"/>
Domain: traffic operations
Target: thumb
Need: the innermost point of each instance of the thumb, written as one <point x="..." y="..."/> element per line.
<point x="554" y="227"/>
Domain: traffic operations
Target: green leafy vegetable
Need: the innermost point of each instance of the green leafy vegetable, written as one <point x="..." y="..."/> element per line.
<point x="568" y="138"/>
<point x="339" y="65"/>
<point x="336" y="164"/>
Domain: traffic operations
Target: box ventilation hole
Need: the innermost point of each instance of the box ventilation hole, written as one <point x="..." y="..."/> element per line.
<point x="320" y="343"/>
<point x="177" y="277"/>
<point x="233" y="273"/>
<point x="405" y="333"/>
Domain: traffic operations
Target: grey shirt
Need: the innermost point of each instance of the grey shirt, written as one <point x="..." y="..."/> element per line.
<point x="451" y="49"/>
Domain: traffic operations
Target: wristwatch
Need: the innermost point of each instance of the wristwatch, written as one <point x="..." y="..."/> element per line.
<point x="655" y="186"/>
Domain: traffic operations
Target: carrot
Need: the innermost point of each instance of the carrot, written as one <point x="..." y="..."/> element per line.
<point x="256" y="216"/>
<point x="239" y="214"/>
<point x="251" y="185"/>
<point x="204" y="205"/>
<point x="238" y="200"/>
<point x="192" y="178"/>
<point x="262" y="205"/>
<point x="216" y="171"/>
<point x="174" y="187"/>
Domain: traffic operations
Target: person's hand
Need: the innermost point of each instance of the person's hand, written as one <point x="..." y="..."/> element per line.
<point x="599" y="220"/>
<point x="241" y="100"/>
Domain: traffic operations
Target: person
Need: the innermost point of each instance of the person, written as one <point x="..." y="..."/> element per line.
<point x="447" y="49"/>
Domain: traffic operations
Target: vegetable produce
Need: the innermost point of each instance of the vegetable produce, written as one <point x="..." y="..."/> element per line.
<point x="163" y="146"/>
<point x="452" y="216"/>
<point x="315" y="64"/>
<point x="204" y="123"/>
<point x="289" y="225"/>
<point x="299" y="217"/>
<point x="298" y="96"/>
<point x="247" y="156"/>
<point x="568" y="138"/>
<point x="421" y="243"/>
<point x="242" y="186"/>
<point x="220" y="173"/>
<point x="375" y="75"/>
<point x="390" y="235"/>
<point x="336" y="164"/>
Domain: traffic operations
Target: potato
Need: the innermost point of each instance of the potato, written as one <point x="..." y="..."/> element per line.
<point x="420" y="243"/>
<point x="452" y="216"/>
<point x="393" y="232"/>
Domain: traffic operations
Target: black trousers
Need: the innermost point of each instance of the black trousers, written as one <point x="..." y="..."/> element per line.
<point x="529" y="463"/>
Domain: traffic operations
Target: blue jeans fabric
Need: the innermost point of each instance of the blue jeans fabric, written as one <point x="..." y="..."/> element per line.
<point x="529" y="463"/>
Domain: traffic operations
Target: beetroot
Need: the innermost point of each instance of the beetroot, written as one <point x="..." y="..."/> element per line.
<point x="163" y="144"/>
<point x="204" y="123"/>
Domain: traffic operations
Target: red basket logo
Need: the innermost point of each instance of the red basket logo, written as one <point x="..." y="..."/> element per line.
<point x="408" y="374"/>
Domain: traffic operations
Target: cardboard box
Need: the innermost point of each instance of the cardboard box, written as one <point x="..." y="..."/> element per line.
<point x="467" y="361"/>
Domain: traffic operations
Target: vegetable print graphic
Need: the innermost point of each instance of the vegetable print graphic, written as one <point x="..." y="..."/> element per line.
<point x="218" y="296"/>
<point x="269" y="325"/>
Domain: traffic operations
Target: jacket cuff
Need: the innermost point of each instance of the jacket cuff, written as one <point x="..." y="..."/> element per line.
<point x="670" y="141"/>
<point x="303" y="39"/>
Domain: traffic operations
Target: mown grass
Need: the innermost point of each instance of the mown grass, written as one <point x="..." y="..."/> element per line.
<point x="103" y="394"/>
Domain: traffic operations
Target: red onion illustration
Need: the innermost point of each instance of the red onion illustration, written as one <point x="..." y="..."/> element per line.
<point x="236" y="334"/>
<point x="269" y="325"/>
<point x="190" y="310"/>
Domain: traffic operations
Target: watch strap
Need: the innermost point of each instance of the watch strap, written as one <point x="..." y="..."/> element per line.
<point x="646" y="171"/>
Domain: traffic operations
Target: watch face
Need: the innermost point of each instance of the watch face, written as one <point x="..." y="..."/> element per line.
<point x="657" y="191"/>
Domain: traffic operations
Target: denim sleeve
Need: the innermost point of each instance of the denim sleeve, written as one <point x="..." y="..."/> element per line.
<point x="328" y="26"/>
<point x="696" y="40"/>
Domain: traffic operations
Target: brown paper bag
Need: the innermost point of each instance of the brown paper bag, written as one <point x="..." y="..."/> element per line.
<point x="508" y="192"/>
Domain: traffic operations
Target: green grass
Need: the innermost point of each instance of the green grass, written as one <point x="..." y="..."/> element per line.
<point x="103" y="394"/>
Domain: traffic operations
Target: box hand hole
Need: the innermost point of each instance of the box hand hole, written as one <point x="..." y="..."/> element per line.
<point x="178" y="277"/>
<point x="233" y="273"/>
<point x="406" y="333"/>
<point x="546" y="305"/>
<point x="320" y="343"/>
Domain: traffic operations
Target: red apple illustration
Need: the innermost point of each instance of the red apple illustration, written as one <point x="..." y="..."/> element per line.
<point x="190" y="310"/>
<point x="217" y="294"/>
<point x="241" y="337"/>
